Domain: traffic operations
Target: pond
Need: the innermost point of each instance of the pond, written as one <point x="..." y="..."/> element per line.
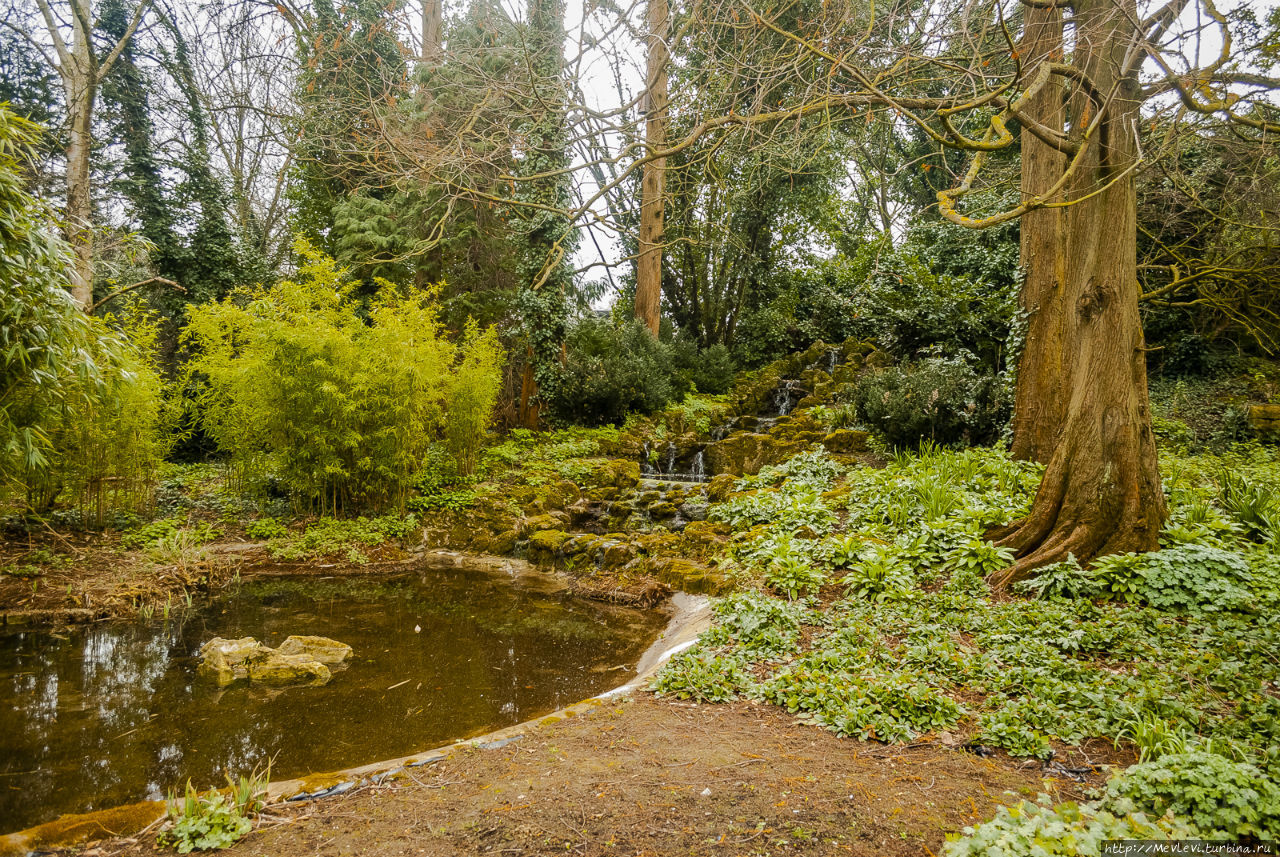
<point x="103" y="715"/>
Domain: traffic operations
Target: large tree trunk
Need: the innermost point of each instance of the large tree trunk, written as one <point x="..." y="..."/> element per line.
<point x="1039" y="406"/>
<point x="649" y="261"/>
<point x="1101" y="490"/>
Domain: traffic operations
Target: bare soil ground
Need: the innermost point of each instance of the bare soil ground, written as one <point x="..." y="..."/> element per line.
<point x="654" y="777"/>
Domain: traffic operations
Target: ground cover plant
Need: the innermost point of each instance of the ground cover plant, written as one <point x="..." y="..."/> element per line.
<point x="1169" y="651"/>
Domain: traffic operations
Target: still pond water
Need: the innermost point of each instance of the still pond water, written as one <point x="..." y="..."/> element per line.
<point x="104" y="715"/>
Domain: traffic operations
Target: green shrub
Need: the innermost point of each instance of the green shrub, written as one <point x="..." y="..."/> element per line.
<point x="709" y="371"/>
<point x="901" y="300"/>
<point x="1224" y="799"/>
<point x="610" y="371"/>
<point x="471" y="391"/>
<point x="82" y="412"/>
<point x="879" y="574"/>
<point x="296" y="383"/>
<point x="942" y="399"/>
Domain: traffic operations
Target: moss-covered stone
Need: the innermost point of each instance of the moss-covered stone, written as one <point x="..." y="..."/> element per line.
<point x="879" y="360"/>
<point x="616" y="553"/>
<point x="720" y="487"/>
<point x="549" y="521"/>
<point x="545" y="544"/>
<point x="845" y="441"/>
<point x="501" y="544"/>
<point x="705" y="538"/>
<point x="662" y="510"/>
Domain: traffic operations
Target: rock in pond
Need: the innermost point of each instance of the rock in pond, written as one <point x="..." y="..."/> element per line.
<point x="298" y="660"/>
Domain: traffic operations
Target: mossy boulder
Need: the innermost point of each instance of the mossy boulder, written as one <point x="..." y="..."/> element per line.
<point x="879" y="360"/>
<point x="1265" y="420"/>
<point x="617" y="553"/>
<point x="687" y="575"/>
<point x="845" y="442"/>
<point x="720" y="487"/>
<point x="705" y="538"/>
<point x="694" y="509"/>
<point x="662" y="510"/>
<point x="499" y="544"/>
<point x="549" y="521"/>
<point x="299" y="660"/>
<point x="544" y="545"/>
<point x="277" y="669"/>
<point x="322" y="649"/>
<point x="227" y="661"/>
<point x="619" y="473"/>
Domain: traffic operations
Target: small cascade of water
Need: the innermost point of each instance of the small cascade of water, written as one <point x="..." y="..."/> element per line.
<point x="671" y="457"/>
<point x="784" y="396"/>
<point x="699" y="469"/>
<point x="833" y="354"/>
<point x="646" y="465"/>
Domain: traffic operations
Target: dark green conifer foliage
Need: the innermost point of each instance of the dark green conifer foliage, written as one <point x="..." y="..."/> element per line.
<point x="543" y="192"/>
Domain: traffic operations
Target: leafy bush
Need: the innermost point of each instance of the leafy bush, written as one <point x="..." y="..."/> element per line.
<point x="1224" y="799"/>
<point x="943" y="399"/>
<point x="1064" y="580"/>
<point x="793" y="575"/>
<point x="82" y="412"/>
<point x="610" y="371"/>
<point x="297" y="383"/>
<point x="1068" y="829"/>
<point x="901" y="300"/>
<point x="710" y="370"/>
<point x="878" y="574"/>
<point x="471" y="391"/>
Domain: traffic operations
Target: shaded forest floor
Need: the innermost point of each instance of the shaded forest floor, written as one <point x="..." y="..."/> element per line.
<point x="648" y="776"/>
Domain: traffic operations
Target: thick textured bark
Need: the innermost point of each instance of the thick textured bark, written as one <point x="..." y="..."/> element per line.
<point x="649" y="261"/>
<point x="1039" y="406"/>
<point x="1101" y="491"/>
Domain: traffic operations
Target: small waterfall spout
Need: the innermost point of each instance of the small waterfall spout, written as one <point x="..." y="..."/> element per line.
<point x="784" y="397"/>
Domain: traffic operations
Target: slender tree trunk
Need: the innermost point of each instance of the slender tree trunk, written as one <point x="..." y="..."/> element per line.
<point x="1101" y="490"/>
<point x="1039" y="406"/>
<point x="432" y="16"/>
<point x="81" y="89"/>
<point x="649" y="262"/>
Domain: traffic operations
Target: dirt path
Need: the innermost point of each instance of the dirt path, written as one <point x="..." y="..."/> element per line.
<point x="648" y="776"/>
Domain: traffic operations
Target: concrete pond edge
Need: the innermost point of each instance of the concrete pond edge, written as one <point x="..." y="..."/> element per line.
<point x="691" y="615"/>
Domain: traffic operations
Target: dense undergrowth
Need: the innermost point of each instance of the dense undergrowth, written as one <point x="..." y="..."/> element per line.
<point x="866" y="612"/>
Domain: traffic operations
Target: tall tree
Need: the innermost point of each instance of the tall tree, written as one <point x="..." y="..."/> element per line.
<point x="1074" y="83"/>
<point x="542" y="192"/>
<point x="81" y="65"/>
<point x="652" y="185"/>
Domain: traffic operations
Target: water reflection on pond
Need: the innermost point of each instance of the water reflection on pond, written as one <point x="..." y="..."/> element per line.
<point x="104" y="715"/>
